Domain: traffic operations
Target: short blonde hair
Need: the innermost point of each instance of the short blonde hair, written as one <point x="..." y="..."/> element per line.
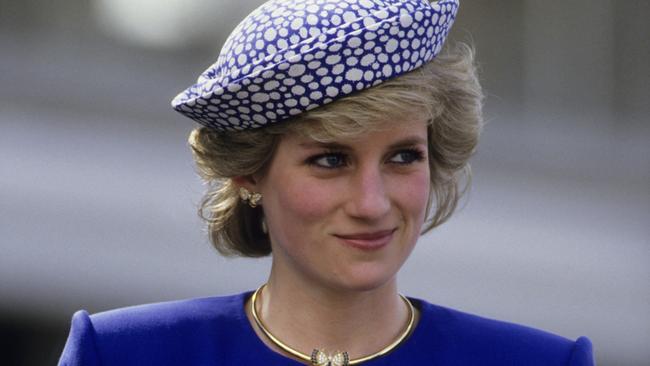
<point x="446" y="90"/>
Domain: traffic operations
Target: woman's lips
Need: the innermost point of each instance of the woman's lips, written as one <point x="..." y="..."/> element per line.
<point x="367" y="241"/>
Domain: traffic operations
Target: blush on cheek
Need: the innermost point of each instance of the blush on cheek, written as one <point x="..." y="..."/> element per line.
<point x="306" y="200"/>
<point x="417" y="196"/>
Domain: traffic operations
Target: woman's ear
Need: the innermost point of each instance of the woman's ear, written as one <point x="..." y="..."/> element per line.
<point x="246" y="181"/>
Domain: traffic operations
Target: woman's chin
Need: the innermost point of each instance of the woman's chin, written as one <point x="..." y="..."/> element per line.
<point x="363" y="278"/>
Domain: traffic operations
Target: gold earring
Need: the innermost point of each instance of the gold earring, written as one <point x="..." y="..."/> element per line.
<point x="252" y="198"/>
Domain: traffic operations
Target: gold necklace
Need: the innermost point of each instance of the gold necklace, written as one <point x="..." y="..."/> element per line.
<point x="319" y="357"/>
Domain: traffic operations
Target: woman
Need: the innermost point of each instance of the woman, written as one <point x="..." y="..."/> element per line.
<point x="331" y="139"/>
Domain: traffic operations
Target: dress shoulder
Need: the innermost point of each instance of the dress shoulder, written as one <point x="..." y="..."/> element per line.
<point x="164" y="315"/>
<point x="80" y="348"/>
<point x="167" y="333"/>
<point x="582" y="354"/>
<point x="465" y="339"/>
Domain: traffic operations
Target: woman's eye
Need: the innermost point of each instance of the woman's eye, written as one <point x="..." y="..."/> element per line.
<point x="407" y="156"/>
<point x="336" y="160"/>
<point x="330" y="160"/>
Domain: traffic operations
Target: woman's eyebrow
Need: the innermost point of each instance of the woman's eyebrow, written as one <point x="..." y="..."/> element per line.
<point x="408" y="141"/>
<point x="324" y="145"/>
<point x="405" y="142"/>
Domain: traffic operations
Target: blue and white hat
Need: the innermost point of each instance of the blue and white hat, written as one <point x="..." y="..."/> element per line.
<point x="291" y="56"/>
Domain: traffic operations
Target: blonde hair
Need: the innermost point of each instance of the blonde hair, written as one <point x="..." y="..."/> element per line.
<point x="446" y="90"/>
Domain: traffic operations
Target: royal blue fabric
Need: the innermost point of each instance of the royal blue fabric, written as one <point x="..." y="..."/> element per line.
<point x="215" y="331"/>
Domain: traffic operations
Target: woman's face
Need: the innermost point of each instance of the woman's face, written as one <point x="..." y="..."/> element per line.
<point x="347" y="214"/>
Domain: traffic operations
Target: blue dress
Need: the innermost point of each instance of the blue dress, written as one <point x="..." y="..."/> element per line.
<point x="215" y="331"/>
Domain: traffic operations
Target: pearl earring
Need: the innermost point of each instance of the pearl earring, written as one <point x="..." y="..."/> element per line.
<point x="265" y="229"/>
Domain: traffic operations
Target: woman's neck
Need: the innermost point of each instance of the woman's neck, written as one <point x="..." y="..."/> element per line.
<point x="305" y="316"/>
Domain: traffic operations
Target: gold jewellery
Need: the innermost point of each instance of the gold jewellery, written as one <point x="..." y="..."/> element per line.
<point x="252" y="198"/>
<point x="320" y="357"/>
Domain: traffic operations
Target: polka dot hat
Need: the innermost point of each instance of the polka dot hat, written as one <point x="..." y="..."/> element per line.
<point x="291" y="56"/>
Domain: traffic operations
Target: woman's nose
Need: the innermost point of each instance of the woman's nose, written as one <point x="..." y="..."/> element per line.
<point x="368" y="198"/>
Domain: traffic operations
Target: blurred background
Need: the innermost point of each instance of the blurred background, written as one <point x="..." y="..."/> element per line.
<point x="98" y="191"/>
